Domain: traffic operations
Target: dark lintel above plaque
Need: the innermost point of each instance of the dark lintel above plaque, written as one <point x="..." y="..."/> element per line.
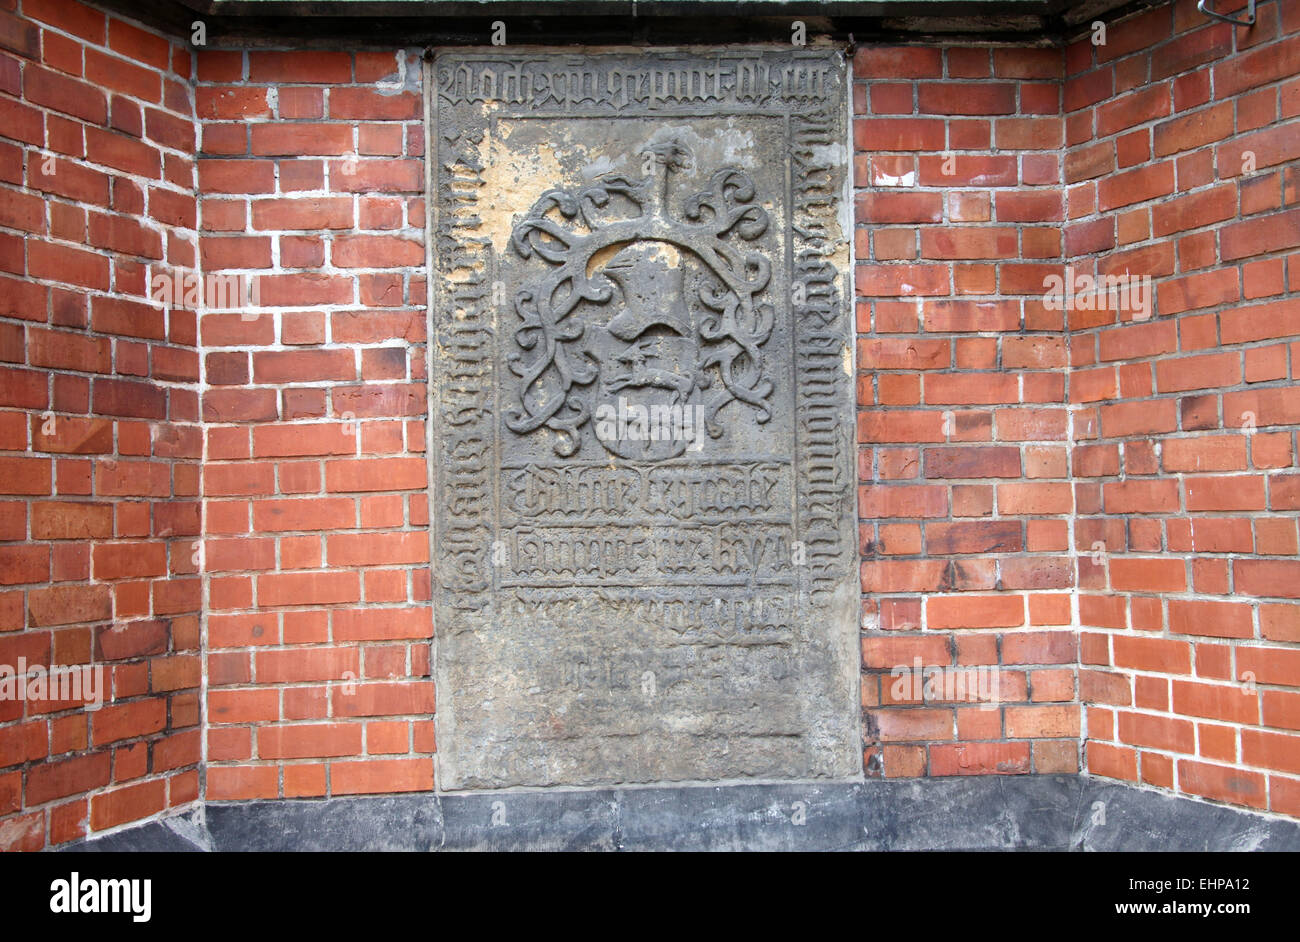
<point x="305" y="23"/>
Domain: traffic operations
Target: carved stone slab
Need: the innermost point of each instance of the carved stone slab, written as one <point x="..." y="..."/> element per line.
<point x="643" y="512"/>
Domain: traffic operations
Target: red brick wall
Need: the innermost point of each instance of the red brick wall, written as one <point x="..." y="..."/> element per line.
<point x="99" y="408"/>
<point x="318" y="622"/>
<point x="1051" y="496"/>
<point x="963" y="427"/>
<point x="1185" y="422"/>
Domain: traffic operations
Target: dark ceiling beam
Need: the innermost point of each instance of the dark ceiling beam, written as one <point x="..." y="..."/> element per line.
<point x="386" y="23"/>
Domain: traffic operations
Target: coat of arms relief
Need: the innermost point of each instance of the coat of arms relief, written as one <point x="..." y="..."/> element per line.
<point x="649" y="318"/>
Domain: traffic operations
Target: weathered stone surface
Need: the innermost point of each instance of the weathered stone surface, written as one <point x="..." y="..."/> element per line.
<point x="968" y="812"/>
<point x="644" y="530"/>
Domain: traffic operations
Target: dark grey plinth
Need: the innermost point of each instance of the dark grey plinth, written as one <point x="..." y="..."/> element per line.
<point x="1045" y="812"/>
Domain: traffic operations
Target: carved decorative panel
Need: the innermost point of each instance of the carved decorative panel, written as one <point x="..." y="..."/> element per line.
<point x="643" y="512"/>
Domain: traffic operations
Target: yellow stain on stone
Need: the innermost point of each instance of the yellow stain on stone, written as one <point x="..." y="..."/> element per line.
<point x="512" y="183"/>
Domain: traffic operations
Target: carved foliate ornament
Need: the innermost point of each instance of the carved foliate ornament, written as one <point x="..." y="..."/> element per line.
<point x="646" y="307"/>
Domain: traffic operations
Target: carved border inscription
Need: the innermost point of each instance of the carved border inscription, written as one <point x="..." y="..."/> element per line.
<point x="643" y="506"/>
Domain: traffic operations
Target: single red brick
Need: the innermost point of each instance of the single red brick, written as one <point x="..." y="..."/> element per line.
<point x="381" y="776"/>
<point x="979" y="758"/>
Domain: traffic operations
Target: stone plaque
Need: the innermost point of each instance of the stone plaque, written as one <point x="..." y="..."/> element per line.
<point x="643" y="513"/>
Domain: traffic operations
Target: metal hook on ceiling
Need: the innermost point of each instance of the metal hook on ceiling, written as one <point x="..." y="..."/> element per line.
<point x="1248" y="21"/>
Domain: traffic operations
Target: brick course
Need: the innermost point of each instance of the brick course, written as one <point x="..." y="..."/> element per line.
<point x="964" y="425"/>
<point x="319" y="608"/>
<point x="99" y="412"/>
<point x="1185" y="424"/>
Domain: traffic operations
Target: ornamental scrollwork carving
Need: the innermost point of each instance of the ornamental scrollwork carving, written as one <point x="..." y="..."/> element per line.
<point x="642" y="306"/>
